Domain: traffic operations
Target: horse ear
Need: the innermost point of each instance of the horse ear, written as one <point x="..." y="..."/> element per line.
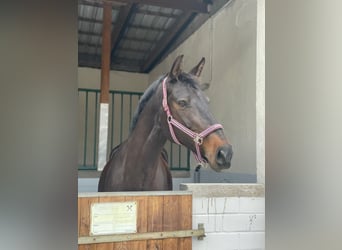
<point x="197" y="70"/>
<point x="204" y="86"/>
<point x="176" y="67"/>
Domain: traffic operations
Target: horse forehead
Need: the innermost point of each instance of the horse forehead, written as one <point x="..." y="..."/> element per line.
<point x="185" y="90"/>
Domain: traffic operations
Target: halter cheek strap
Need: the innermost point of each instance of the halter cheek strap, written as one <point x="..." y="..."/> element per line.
<point x="197" y="138"/>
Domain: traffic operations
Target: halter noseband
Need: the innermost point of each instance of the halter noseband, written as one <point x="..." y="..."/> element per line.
<point x="198" y="138"/>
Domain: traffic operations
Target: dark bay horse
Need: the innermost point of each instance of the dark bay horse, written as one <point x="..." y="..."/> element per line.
<point x="173" y="108"/>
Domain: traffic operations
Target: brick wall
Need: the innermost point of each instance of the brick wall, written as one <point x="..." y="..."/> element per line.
<point x="233" y="217"/>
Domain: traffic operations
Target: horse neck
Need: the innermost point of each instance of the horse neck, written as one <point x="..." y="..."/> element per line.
<point x="148" y="128"/>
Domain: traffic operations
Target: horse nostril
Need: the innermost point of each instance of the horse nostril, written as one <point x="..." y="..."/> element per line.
<point x="224" y="155"/>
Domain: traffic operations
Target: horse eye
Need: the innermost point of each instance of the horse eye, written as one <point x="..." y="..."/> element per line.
<point x="182" y="103"/>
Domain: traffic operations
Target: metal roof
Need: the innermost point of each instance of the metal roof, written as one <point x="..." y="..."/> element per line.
<point x="143" y="31"/>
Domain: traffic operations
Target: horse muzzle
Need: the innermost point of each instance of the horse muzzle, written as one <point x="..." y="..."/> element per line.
<point x="224" y="156"/>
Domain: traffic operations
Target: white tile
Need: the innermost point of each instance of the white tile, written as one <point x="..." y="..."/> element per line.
<point x="243" y="222"/>
<point x="217" y="241"/>
<point x="200" y="205"/>
<point x="212" y="223"/>
<point x="220" y="205"/>
<point x="252" y="205"/>
<point x="231" y="205"/>
<point x="253" y="240"/>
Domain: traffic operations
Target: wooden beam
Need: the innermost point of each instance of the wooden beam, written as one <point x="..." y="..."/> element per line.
<point x="165" y="41"/>
<point x="105" y="54"/>
<point x="186" y="5"/>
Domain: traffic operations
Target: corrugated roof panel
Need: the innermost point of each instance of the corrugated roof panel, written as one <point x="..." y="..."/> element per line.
<point x="130" y="55"/>
<point x="143" y="20"/>
<point x="169" y="23"/>
<point x="85" y="26"/>
<point x="97" y="28"/>
<point x="136" y="44"/>
<point x="95" y="40"/>
<point x="87" y="11"/>
<point x="83" y="38"/>
<point x="87" y="49"/>
<point x="98" y="13"/>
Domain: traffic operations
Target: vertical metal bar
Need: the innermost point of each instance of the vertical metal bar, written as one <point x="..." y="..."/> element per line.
<point x="121" y="116"/>
<point x="112" y="132"/>
<point x="179" y="156"/>
<point x="171" y="155"/>
<point x="130" y="108"/>
<point x="85" y="131"/>
<point x="95" y="130"/>
<point x="188" y="161"/>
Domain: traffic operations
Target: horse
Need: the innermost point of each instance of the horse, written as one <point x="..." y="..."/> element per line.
<point x="174" y="108"/>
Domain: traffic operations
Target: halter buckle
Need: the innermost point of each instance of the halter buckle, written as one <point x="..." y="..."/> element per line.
<point x="198" y="139"/>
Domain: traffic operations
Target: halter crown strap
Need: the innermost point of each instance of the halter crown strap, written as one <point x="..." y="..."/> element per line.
<point x="198" y="138"/>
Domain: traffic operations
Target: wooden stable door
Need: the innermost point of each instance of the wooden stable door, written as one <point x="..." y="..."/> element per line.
<point x="155" y="212"/>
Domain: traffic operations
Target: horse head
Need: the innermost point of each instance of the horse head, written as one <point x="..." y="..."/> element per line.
<point x="187" y="119"/>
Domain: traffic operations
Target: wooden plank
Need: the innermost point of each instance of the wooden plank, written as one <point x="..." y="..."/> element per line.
<point x="155" y="220"/>
<point x="84" y="220"/>
<point x="185" y="218"/>
<point x="141" y="222"/>
<point x="171" y="222"/>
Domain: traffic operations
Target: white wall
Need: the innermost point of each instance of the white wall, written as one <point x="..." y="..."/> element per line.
<point x="233" y="216"/>
<point x="119" y="80"/>
<point x="228" y="42"/>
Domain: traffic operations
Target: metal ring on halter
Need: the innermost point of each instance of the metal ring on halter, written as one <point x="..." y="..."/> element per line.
<point x="198" y="139"/>
<point x="169" y="118"/>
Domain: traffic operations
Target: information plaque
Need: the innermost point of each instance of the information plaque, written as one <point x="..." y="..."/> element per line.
<point x="113" y="218"/>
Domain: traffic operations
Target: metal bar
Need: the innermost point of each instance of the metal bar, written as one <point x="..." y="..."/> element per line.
<point x="179" y="155"/>
<point x="121" y="116"/>
<point x="95" y="130"/>
<point x="171" y="155"/>
<point x="130" y="108"/>
<point x="113" y="91"/>
<point x="85" y="132"/>
<point x="112" y="132"/>
<point x="200" y="233"/>
<point x="188" y="5"/>
<point x="120" y="26"/>
<point x="188" y="155"/>
<point x="166" y="39"/>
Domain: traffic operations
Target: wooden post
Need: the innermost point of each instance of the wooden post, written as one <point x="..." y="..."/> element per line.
<point x="104" y="96"/>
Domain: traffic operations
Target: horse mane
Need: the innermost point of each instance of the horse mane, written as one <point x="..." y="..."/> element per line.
<point x="149" y="92"/>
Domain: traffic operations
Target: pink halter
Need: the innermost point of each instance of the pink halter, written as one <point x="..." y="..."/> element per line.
<point x="198" y="138"/>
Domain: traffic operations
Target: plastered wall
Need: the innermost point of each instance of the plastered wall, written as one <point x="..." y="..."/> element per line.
<point x="228" y="42"/>
<point x="119" y="80"/>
